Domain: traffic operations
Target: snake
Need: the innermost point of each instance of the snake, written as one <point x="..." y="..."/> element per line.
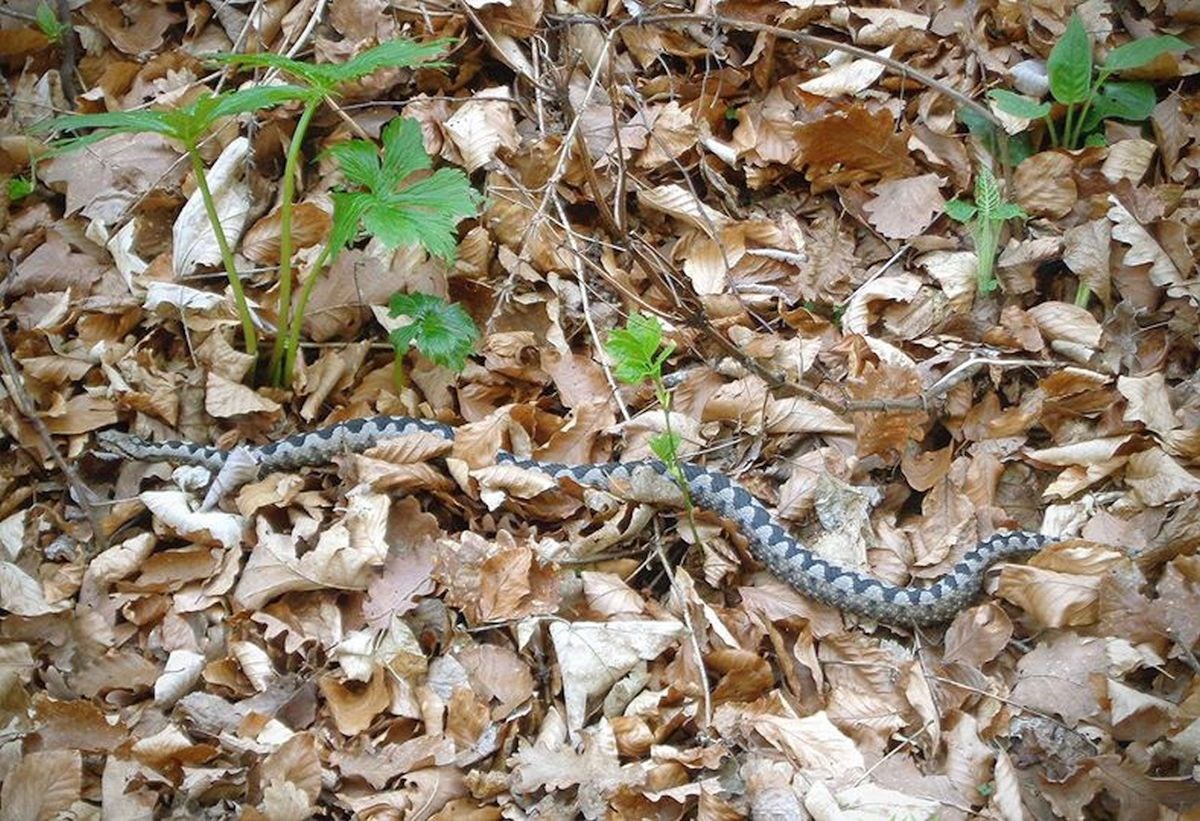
<point x="846" y="589"/>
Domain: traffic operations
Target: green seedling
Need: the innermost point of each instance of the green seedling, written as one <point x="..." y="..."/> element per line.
<point x="442" y="331"/>
<point x="187" y="126"/>
<point x="638" y="354"/>
<point x="321" y="82"/>
<point x="1088" y="94"/>
<point x="985" y="217"/>
<point x="395" y="200"/>
<point x="49" y="24"/>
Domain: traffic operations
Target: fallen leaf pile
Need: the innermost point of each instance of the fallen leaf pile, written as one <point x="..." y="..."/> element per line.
<point x="419" y="632"/>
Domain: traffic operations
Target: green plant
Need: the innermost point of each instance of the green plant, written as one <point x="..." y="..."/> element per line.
<point x="321" y="82"/>
<point x="396" y="201"/>
<point x="1090" y="100"/>
<point x="986" y="217"/>
<point x="638" y="353"/>
<point x="49" y="24"/>
<point x="442" y="331"/>
<point x="187" y="125"/>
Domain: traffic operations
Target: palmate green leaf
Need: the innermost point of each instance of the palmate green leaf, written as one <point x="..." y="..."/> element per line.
<point x="399" y="212"/>
<point x="1070" y="64"/>
<point x="1138" y="53"/>
<point x="637" y="350"/>
<point x="428" y="212"/>
<point x="666" y="447"/>
<point x="442" y="331"/>
<point x="348" y="209"/>
<point x="1018" y="105"/>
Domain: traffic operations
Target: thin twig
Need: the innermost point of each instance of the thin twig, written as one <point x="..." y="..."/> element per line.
<point x="67" y="45"/>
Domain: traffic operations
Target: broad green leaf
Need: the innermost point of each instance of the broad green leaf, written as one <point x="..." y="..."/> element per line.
<point x="1137" y="53"/>
<point x="1070" y="64"/>
<point x="960" y="210"/>
<point x="359" y="161"/>
<point x="1133" y="100"/>
<point x="442" y="331"/>
<point x="1096" y="141"/>
<point x="637" y="350"/>
<point x="403" y="151"/>
<point x="1018" y="105"/>
<point x="20" y="187"/>
<point x="49" y="23"/>
<point x="426" y="212"/>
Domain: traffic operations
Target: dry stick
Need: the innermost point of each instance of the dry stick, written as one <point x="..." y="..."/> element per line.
<point x="79" y="489"/>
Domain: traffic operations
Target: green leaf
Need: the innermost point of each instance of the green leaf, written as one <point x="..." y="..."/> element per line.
<point x="326" y="77"/>
<point x="400" y="212"/>
<point x="348" y="211"/>
<point x="1140" y="52"/>
<point x="1133" y="100"/>
<point x="403" y="152"/>
<point x="1096" y="141"/>
<point x="987" y="193"/>
<point x="442" y="331"/>
<point x="1009" y="211"/>
<point x="960" y="210"/>
<point x="637" y="350"/>
<point x="20" y="187"/>
<point x="253" y="98"/>
<point x="1070" y="64"/>
<point x="1018" y="105"/>
<point x="666" y="447"/>
<point x="48" y="22"/>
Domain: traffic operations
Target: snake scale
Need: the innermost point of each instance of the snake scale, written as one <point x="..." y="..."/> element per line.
<point x="843" y="588"/>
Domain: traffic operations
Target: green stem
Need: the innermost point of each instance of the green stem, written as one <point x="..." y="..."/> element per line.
<point x="285" y="237"/>
<point x="986" y="239"/>
<point x="1053" y="132"/>
<point x="1083" y="295"/>
<point x="1087" y="104"/>
<point x="292" y="344"/>
<point x="235" y="281"/>
<point x="1067" y="123"/>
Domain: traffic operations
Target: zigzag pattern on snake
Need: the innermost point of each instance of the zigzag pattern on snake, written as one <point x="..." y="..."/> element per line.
<point x="846" y="589"/>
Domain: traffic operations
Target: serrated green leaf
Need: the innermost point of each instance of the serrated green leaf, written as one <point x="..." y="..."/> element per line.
<point x="426" y="212"/>
<point x="48" y="22"/>
<point x="359" y="161"/>
<point x="398" y="53"/>
<point x="443" y="332"/>
<point x="1134" y="100"/>
<point x="348" y="209"/>
<point x="113" y="122"/>
<point x="1018" y="105"/>
<point x="20" y="187"/>
<point x="253" y="98"/>
<point x="1138" y="53"/>
<point x="637" y="350"/>
<point x="987" y="193"/>
<point x="403" y="152"/>
<point x="1070" y="64"/>
<point x="960" y="210"/>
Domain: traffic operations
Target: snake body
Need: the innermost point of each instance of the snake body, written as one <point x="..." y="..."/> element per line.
<point x="844" y="588"/>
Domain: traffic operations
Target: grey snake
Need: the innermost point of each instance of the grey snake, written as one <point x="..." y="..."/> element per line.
<point x="843" y="588"/>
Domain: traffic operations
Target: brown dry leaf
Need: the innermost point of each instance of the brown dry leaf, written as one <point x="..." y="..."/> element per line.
<point x="977" y="635"/>
<point x="1086" y="251"/>
<point x="679" y="202"/>
<point x="847" y="76"/>
<point x="595" y="655"/>
<point x="481" y="127"/>
<point x="903" y="209"/>
<point x="1155" y="479"/>
<point x="1149" y="402"/>
<point x="1043" y="185"/>
<point x="1056" y="677"/>
<point x="854" y="145"/>
<point x="1144" y="249"/>
<point x="310" y="224"/>
<point x="42" y="785"/>
<point x="224" y="399"/>
<point x="354" y="705"/>
<point x="1128" y="160"/>
<point x="194" y="241"/>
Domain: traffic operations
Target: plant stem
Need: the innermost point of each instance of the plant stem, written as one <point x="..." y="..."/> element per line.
<point x="1087" y="104"/>
<point x="1053" y="132"/>
<point x="1067" y="123"/>
<point x="292" y="344"/>
<point x="986" y="239"/>
<point x="399" y="376"/>
<point x="1083" y="295"/>
<point x="235" y="281"/>
<point x="285" y="238"/>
